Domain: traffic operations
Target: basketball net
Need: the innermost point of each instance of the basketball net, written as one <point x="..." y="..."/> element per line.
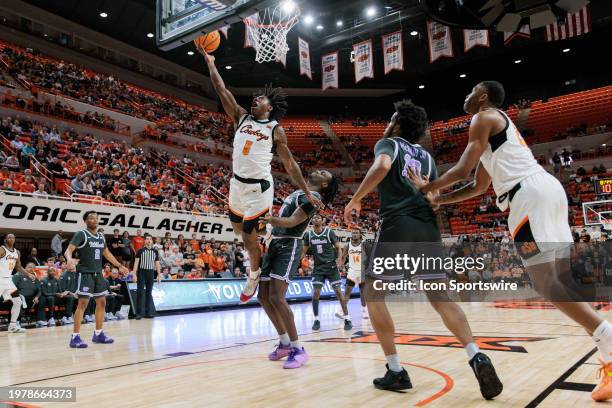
<point x="268" y="31"/>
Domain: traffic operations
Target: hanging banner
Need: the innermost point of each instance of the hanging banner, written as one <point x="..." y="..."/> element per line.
<point x="224" y="30"/>
<point x="329" y="70"/>
<point x="393" y="52"/>
<point x="249" y="34"/>
<point x="304" y="58"/>
<point x="440" y="41"/>
<point x="524" y="32"/>
<point x="575" y="24"/>
<point x="473" y="38"/>
<point x="364" y="60"/>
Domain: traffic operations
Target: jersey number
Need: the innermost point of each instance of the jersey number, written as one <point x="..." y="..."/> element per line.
<point x="11" y="264"/>
<point x="319" y="249"/>
<point x="247" y="147"/>
<point x="97" y="254"/>
<point x="357" y="258"/>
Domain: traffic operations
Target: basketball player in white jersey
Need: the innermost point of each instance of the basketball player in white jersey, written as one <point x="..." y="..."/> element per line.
<point x="9" y="260"/>
<point x="258" y="136"/>
<point x="353" y="277"/>
<point x="538" y="217"/>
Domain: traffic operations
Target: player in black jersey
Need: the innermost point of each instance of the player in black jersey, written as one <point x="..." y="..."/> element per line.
<point x="282" y="260"/>
<point x="91" y="247"/>
<point x="407" y="217"/>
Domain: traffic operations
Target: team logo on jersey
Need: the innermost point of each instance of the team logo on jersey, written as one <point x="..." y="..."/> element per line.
<point x="248" y="129"/>
<point x="409" y="339"/>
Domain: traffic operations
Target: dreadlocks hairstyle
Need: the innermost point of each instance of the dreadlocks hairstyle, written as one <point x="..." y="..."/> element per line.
<point x="412" y="120"/>
<point x="278" y="100"/>
<point x="328" y="194"/>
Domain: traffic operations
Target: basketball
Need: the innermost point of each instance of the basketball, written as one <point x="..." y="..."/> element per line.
<point x="208" y="42"/>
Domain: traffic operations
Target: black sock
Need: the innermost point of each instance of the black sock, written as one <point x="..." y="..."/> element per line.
<point x="315" y="307"/>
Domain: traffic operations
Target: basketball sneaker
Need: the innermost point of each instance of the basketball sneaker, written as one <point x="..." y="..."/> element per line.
<point x="102" y="338"/>
<point x="251" y="286"/>
<point x="348" y="325"/>
<point x="316" y="325"/>
<point x="603" y="390"/>
<point x="393" y="381"/>
<point x="490" y="385"/>
<point x="14" y="328"/>
<point x="77" y="342"/>
<point x="297" y="357"/>
<point x="340" y="314"/>
<point x="279" y="352"/>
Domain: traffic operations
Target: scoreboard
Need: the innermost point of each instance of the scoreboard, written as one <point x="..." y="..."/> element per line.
<point x="603" y="186"/>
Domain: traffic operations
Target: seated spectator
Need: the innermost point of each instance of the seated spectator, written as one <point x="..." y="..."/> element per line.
<point x="114" y="299"/>
<point x="29" y="287"/>
<point x="50" y="290"/>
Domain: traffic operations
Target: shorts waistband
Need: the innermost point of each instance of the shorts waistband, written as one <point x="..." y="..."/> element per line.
<point x="249" y="180"/>
<point x="510" y="193"/>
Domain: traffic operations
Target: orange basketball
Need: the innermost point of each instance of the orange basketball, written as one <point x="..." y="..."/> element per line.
<point x="208" y="42"/>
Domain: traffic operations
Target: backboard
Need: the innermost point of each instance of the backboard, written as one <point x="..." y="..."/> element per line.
<point x="181" y="21"/>
<point x="597" y="213"/>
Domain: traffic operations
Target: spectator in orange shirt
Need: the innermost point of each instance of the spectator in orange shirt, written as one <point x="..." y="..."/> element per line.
<point x="138" y="241"/>
<point x="194" y="243"/>
<point x="28" y="185"/>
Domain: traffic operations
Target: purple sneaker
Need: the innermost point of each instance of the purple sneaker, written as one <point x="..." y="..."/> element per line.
<point x="297" y="358"/>
<point x="76" y="342"/>
<point x="280" y="352"/>
<point x="102" y="339"/>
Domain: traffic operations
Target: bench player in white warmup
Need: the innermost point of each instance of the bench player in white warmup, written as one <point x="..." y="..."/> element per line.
<point x="9" y="260"/>
<point x="538" y="217"/>
<point x="258" y="136"/>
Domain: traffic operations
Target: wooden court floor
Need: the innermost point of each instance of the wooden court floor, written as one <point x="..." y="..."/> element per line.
<point x="218" y="359"/>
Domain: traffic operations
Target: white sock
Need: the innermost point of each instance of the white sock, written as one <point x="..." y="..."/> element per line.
<point x="393" y="361"/>
<point x="15" y="309"/>
<point x="346" y="317"/>
<point x="603" y="340"/>
<point x="74" y="335"/>
<point x="296" y="344"/>
<point x="472" y="349"/>
<point x="97" y="332"/>
<point x="316" y="317"/>
<point x="284" y="339"/>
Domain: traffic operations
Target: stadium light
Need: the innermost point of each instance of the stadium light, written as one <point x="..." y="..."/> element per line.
<point x="370" y="11"/>
<point x="339" y="23"/>
<point x="150" y="35"/>
<point x="462" y="76"/>
<point x="228" y="67"/>
<point x="319" y="27"/>
<point x="421" y="86"/>
<point x="189" y="52"/>
<point x="566" y="50"/>
<point x="518" y="61"/>
<point x="288" y="6"/>
<point x="414" y="32"/>
<point x="103" y="14"/>
<point x="308" y="20"/>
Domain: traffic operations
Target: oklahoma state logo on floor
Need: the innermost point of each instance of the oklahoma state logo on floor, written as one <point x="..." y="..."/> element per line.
<point x="410" y="339"/>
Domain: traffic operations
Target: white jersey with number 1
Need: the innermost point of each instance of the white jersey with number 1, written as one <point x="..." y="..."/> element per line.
<point x="253" y="148"/>
<point x="7" y="264"/>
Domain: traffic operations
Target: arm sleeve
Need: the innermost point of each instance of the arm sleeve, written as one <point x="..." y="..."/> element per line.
<point x="385" y="146"/>
<point x="78" y="239"/>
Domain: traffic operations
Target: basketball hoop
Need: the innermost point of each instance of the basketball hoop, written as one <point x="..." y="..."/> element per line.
<point x="269" y="30"/>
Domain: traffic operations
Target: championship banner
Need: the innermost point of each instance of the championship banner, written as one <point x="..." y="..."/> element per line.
<point x="576" y="24"/>
<point x="364" y="60"/>
<point x="393" y="52"/>
<point x="21" y="211"/>
<point x="329" y="70"/>
<point x="473" y="38"/>
<point x="224" y="30"/>
<point x="440" y="41"/>
<point x="249" y="35"/>
<point x="304" y="51"/>
<point x="524" y="32"/>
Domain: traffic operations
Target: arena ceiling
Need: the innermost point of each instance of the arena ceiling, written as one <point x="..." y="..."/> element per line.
<point x="542" y="63"/>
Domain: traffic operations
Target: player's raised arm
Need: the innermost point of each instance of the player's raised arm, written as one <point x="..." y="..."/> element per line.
<point x="228" y="101"/>
<point x="480" y="129"/>
<point x="480" y="184"/>
<point x="298" y="217"/>
<point x="292" y="168"/>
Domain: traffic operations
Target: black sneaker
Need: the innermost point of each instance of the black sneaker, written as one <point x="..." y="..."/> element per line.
<point x="138" y="317"/>
<point x="348" y="325"/>
<point x="490" y="385"/>
<point x="393" y="381"/>
<point x="316" y="325"/>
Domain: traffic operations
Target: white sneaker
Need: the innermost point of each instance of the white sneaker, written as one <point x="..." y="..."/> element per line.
<point x="340" y="314"/>
<point x="89" y="318"/>
<point x="41" y="323"/>
<point x="71" y="320"/>
<point x="15" y="329"/>
<point x="119" y="316"/>
<point x="111" y="316"/>
<point x="251" y="286"/>
<point x="51" y="322"/>
<point x="65" y="321"/>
